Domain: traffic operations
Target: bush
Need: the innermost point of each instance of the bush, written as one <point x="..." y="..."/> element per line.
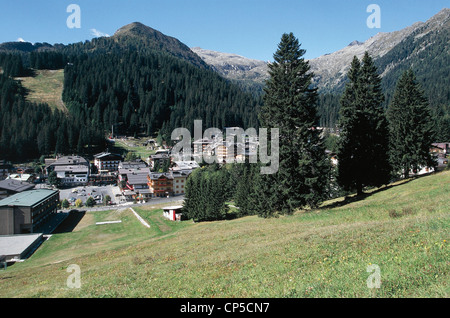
<point x="78" y="203"/>
<point x="65" y="204"/>
<point x="90" y="202"/>
<point x="106" y="199"/>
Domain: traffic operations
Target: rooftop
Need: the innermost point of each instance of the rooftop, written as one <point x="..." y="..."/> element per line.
<point x="73" y="169"/>
<point x="68" y="161"/>
<point x="15" y="185"/>
<point x="15" y="245"/>
<point x="28" y="198"/>
<point x="138" y="178"/>
<point x="106" y="155"/>
<point x="157" y="175"/>
<point x="132" y="165"/>
<point x="175" y="207"/>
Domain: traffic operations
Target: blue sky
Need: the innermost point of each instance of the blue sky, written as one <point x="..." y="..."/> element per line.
<point x="251" y="28"/>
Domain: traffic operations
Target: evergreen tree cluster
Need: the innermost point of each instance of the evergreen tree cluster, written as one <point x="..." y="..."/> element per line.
<point x="206" y="194"/>
<point x="376" y="145"/>
<point x="47" y="60"/>
<point x="364" y="141"/>
<point x="290" y="106"/>
<point x="151" y="93"/>
<point x="411" y="127"/>
<point x="209" y="188"/>
<point x="30" y="130"/>
<point x="22" y="64"/>
<point x="12" y="65"/>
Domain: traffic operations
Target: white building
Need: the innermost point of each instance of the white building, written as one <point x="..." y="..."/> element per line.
<point x="71" y="170"/>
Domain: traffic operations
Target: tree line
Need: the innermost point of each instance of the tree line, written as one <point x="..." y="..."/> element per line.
<point x="144" y="93"/>
<point x="30" y="130"/>
<point x="375" y="146"/>
<point x="152" y="93"/>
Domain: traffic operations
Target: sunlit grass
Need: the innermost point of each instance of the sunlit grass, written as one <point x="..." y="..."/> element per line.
<point x="404" y="230"/>
<point x="46" y="87"/>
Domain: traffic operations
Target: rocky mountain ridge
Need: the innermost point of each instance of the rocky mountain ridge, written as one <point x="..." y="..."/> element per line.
<point x="330" y="69"/>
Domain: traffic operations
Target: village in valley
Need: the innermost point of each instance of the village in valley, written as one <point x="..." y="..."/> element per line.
<point x="71" y="182"/>
<point x="328" y="174"/>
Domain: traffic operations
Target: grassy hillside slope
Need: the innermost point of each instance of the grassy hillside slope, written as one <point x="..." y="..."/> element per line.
<point x="404" y="229"/>
<point x="46" y="87"/>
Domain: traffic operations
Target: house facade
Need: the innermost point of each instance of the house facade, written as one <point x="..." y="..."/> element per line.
<point x="107" y="162"/>
<point x="160" y="184"/>
<point x="70" y="170"/>
<point x="179" y="181"/>
<point x="159" y="160"/>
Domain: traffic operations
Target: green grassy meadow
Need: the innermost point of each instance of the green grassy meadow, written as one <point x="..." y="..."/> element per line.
<point x="403" y="229"/>
<point x="46" y="87"/>
<point x="134" y="146"/>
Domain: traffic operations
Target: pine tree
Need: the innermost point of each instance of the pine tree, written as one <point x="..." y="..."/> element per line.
<point x="363" y="144"/>
<point x="290" y="106"/>
<point x="411" y="130"/>
<point x="245" y="194"/>
<point x="193" y="191"/>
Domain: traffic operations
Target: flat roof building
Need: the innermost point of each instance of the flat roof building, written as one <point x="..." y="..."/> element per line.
<point x="18" y="247"/>
<point x="25" y="212"/>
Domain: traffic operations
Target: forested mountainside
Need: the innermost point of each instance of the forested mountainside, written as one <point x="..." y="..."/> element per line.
<point x="137" y="81"/>
<point x="29" y="130"/>
<point x="151" y="93"/>
<point x="145" y="82"/>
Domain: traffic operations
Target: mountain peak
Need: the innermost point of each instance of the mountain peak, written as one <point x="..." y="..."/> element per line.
<point x="136" y="29"/>
<point x="355" y="43"/>
<point x="146" y="37"/>
<point x="234" y="66"/>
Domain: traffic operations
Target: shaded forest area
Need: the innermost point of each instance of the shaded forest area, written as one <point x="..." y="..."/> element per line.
<point x="147" y="93"/>
<point x="30" y="130"/>
<point x="152" y="93"/>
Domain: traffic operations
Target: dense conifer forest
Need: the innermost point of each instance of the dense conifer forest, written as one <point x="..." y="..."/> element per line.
<point x="152" y="93"/>
<point x="30" y="130"/>
<point x="146" y="93"/>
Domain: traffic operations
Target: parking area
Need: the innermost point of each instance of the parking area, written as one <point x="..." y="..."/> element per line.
<point x="97" y="192"/>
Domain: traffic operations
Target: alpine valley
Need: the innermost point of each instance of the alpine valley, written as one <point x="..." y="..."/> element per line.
<point x="142" y="82"/>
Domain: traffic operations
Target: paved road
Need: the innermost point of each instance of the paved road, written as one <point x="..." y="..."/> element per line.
<point x="99" y="192"/>
<point x="178" y="200"/>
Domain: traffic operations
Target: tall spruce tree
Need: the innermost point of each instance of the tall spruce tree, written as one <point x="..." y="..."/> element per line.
<point x="290" y="106"/>
<point x="363" y="151"/>
<point x="411" y="127"/>
<point x="245" y="195"/>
